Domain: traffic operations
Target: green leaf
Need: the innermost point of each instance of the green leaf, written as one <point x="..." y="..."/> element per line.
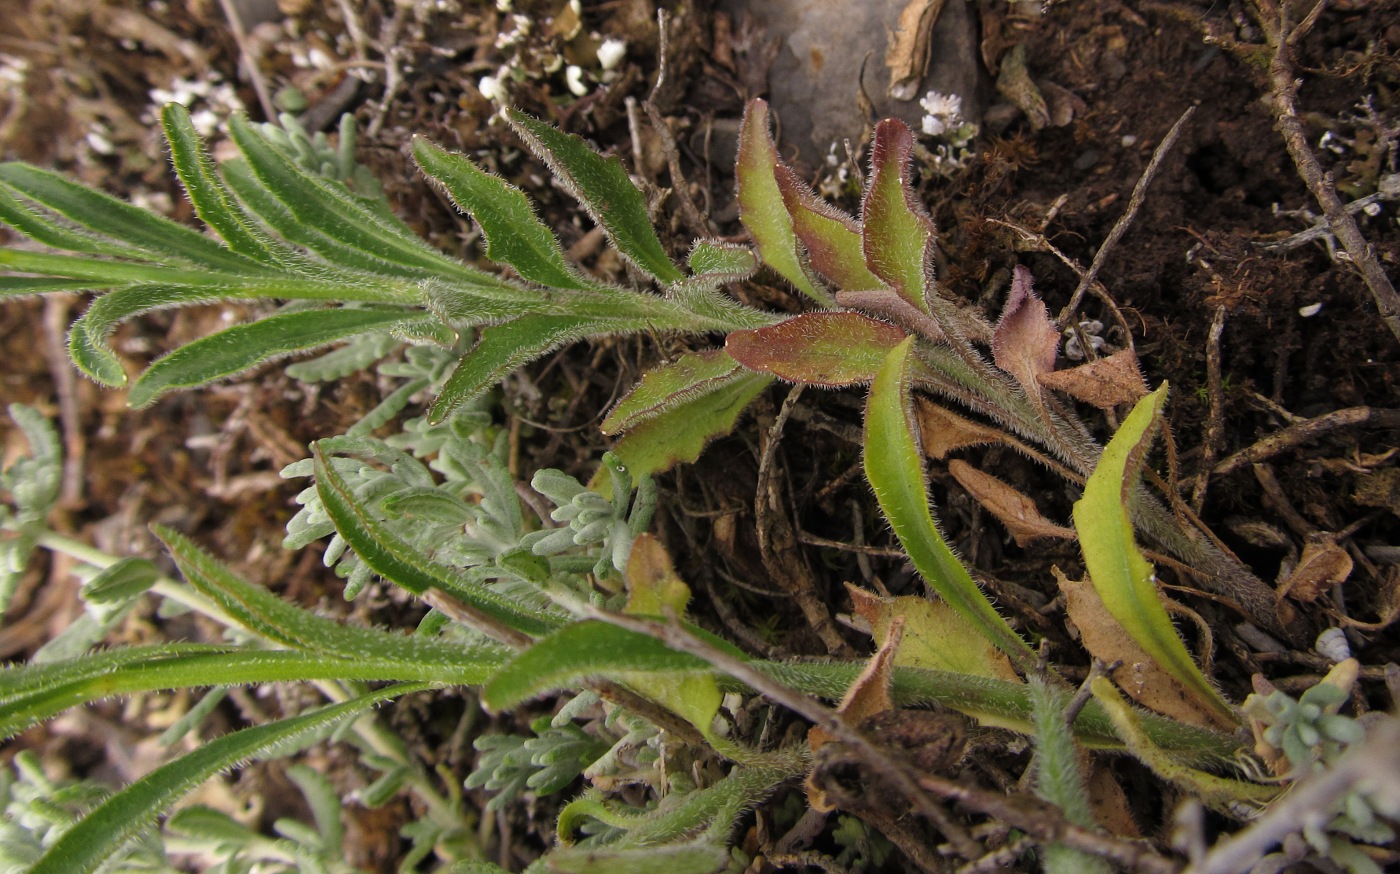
<point x="514" y="235"/>
<point x="603" y="189"/>
<point x="829" y="349"/>
<point x="664" y="387"/>
<point x="578" y="652"/>
<point x="831" y="238"/>
<point x="271" y="618"/>
<point x="697" y="857"/>
<point x="677" y="431"/>
<point x="212" y="200"/>
<point x="56" y="233"/>
<point x="761" y="206"/>
<point x="87" y="344"/>
<point x="32" y="695"/>
<point x="124" y="580"/>
<point x="897" y="233"/>
<point x="505" y="348"/>
<point x="330" y="207"/>
<point x="159" y="238"/>
<point x="894" y="467"/>
<point x="391" y="557"/>
<point x="104" y="831"/>
<point x="1124" y="580"/>
<point x="242" y="347"/>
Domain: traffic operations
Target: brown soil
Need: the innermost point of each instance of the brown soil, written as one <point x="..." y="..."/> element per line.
<point x="205" y="462"/>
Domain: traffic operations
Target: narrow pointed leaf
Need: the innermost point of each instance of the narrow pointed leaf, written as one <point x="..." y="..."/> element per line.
<point x="271" y="618"/>
<point x="331" y="208"/>
<point x="761" y="206"/>
<point x="104" y="831"/>
<point x="57" y="233"/>
<point x="603" y="189"/>
<point x="505" y="348"/>
<point x="829" y="349"/>
<point x="894" y="467"/>
<point x="897" y="231"/>
<point x="21" y="285"/>
<point x="665" y="387"/>
<point x="831" y="238"/>
<point x="242" y="347"/>
<point x="212" y="200"/>
<point x="514" y="235"/>
<point x="91" y="678"/>
<point x="389" y="556"/>
<point x="161" y="238"/>
<point x="1123" y="578"/>
<point x="87" y="337"/>
<point x="579" y="652"/>
<point x="678" y="432"/>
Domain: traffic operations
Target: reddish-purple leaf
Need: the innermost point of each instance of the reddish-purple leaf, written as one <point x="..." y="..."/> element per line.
<point x="831" y="238"/>
<point x="1025" y="339"/>
<point x="761" y="206"/>
<point x="829" y="349"/>
<point x="898" y="233"/>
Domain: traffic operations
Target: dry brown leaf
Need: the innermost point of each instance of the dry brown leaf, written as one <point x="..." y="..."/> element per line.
<point x="1106" y="382"/>
<point x="944" y="431"/>
<point x="908" y="54"/>
<point x="868" y="695"/>
<point x="1025" y="339"/>
<point x="1323" y="565"/>
<point x="1013" y="509"/>
<point x="1109" y="803"/>
<point x="1140" y="676"/>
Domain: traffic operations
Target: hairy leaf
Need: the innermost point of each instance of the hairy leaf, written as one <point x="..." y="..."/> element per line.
<point x="83" y="848"/>
<point x="832" y="238"/>
<point x="678" y="432"/>
<point x="241" y="347"/>
<point x="761" y="206"/>
<point x="666" y="386"/>
<point x="897" y="232"/>
<point x="401" y="563"/>
<point x="829" y="349"/>
<point x="894" y="467"/>
<point x="514" y="235"/>
<point x="603" y="189"/>
<point x="1025" y="339"/>
<point x="1124" y="580"/>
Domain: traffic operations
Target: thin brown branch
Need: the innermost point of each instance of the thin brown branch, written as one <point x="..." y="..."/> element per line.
<point x="1305" y="431"/>
<point x="1283" y="85"/>
<point x="885" y="767"/>
<point x="1120" y="228"/>
<point x="1215" y="419"/>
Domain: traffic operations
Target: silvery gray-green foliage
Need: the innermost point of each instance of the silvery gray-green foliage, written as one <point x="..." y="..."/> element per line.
<point x="32" y="483"/>
<point x="36" y="809"/>
<point x="545" y="763"/>
<point x="592" y="520"/>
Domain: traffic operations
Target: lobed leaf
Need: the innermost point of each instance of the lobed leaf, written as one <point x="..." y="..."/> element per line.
<point x="90" y="842"/>
<point x="242" y="347"/>
<point x="761" y="205"/>
<point x="894" y="467"/>
<point x="829" y="349"/>
<point x="604" y="190"/>
<point x="391" y="557"/>
<point x="897" y="233"/>
<point x="514" y="235"/>
<point x="1124" y="580"/>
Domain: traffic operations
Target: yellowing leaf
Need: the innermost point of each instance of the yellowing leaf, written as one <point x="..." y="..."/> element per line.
<point x="1124" y="580"/>
<point x="1140" y="676"/>
<point x="653" y="589"/>
<point x="936" y="638"/>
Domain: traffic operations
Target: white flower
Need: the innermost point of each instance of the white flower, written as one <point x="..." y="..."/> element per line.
<point x="948" y="106"/>
<point x="493" y="88"/>
<point x="611" y="53"/>
<point x="573" y="77"/>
